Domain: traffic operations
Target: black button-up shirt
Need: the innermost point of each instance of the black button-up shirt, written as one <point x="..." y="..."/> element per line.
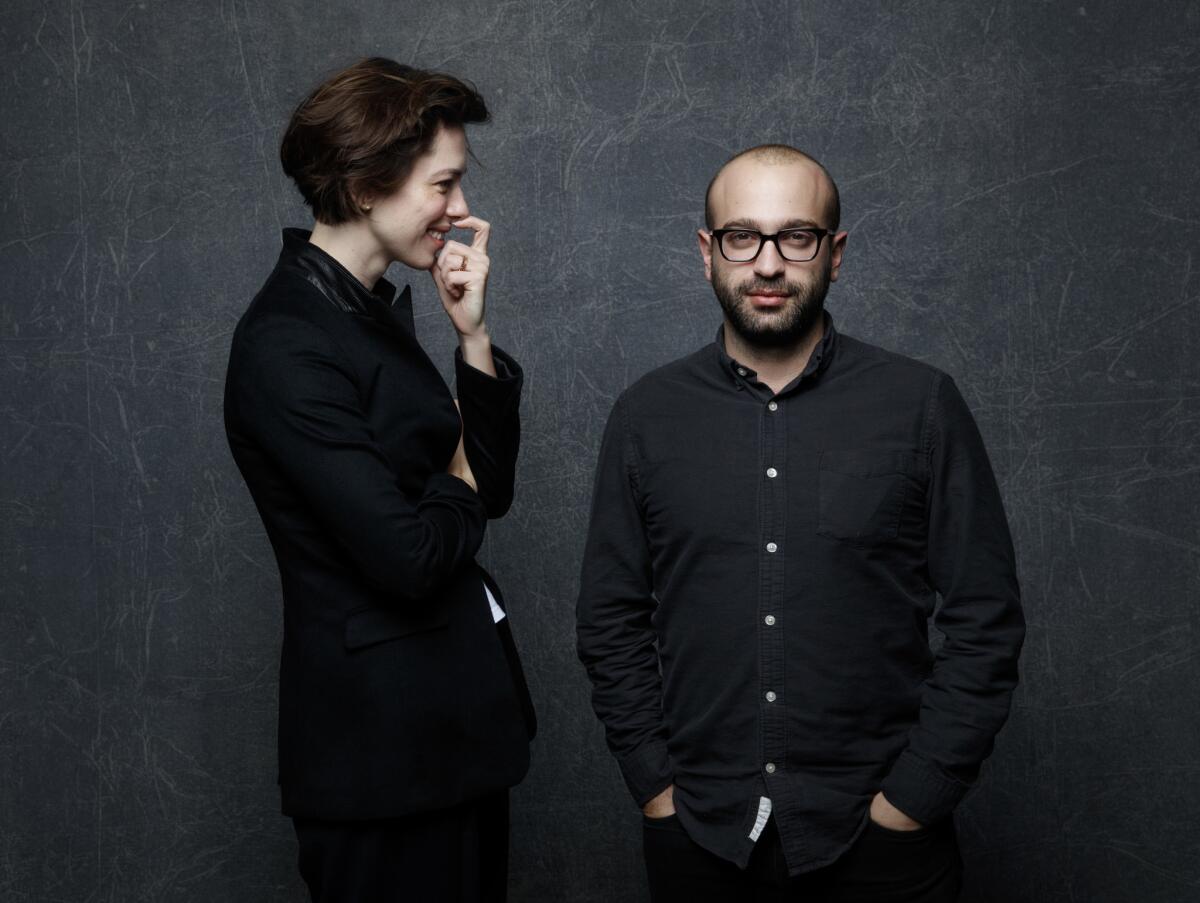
<point x="759" y="574"/>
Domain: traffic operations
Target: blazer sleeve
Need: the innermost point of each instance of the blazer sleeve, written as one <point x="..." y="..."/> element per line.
<point x="971" y="564"/>
<point x="298" y="400"/>
<point x="490" y="407"/>
<point x="615" y="636"/>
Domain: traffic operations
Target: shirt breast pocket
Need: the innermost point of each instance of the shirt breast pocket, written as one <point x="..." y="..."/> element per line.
<point x="862" y="494"/>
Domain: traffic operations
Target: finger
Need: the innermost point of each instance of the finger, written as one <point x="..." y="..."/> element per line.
<point x="444" y="290"/>
<point x="483" y="230"/>
<point x="471" y="253"/>
<point x="449" y="262"/>
<point x="459" y="279"/>
<point x="468" y="265"/>
<point x="454" y="263"/>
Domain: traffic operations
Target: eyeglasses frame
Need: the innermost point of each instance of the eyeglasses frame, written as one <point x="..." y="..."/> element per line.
<point x="773" y="239"/>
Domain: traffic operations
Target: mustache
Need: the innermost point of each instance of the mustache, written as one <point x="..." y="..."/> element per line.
<point x="759" y="284"/>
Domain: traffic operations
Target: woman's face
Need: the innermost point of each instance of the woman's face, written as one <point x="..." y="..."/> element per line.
<point x="411" y="224"/>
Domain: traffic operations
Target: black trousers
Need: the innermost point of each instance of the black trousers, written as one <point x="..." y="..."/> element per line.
<point x="457" y="855"/>
<point x="883" y="866"/>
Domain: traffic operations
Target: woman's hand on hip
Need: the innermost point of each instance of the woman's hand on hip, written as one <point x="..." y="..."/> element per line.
<point x="460" y="274"/>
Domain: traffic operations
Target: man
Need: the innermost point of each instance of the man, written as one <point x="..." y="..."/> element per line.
<point x="772" y="520"/>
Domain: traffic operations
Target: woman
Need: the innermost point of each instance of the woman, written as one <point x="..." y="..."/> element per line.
<point x="404" y="717"/>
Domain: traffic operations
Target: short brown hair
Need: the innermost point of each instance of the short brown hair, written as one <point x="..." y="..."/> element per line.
<point x="778" y="153"/>
<point x="360" y="132"/>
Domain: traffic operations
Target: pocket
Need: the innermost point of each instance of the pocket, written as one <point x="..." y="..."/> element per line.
<point x="370" y="626"/>
<point x="861" y="494"/>
<point x="665" y="821"/>
<point x="896" y="834"/>
<point x="885" y="864"/>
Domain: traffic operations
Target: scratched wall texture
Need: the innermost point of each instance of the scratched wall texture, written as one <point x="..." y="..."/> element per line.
<point x="1019" y="182"/>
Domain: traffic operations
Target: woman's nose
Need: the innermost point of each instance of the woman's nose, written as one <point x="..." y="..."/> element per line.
<point x="457" y="208"/>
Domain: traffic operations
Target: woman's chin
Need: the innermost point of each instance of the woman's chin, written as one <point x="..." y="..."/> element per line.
<point x="422" y="259"/>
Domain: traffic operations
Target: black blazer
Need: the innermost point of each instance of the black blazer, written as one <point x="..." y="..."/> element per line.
<point x="397" y="692"/>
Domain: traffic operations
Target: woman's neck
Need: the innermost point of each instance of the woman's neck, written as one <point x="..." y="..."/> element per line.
<point x="353" y="246"/>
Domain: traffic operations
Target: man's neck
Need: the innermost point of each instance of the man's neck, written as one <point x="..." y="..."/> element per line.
<point x="776" y="367"/>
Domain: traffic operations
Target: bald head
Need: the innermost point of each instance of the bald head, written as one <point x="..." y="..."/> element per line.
<point x="771" y="155"/>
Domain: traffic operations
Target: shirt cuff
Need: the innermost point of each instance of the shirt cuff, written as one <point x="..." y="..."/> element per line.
<point x="647" y="771"/>
<point x="921" y="790"/>
<point x="505" y="383"/>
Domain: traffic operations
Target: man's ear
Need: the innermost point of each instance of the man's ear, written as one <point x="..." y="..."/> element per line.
<point x="837" y="246"/>
<point x="706" y="251"/>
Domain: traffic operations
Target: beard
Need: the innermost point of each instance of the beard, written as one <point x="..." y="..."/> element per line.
<point x="777" y="328"/>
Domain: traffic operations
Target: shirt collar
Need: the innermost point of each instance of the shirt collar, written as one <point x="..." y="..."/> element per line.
<point x="821" y="357"/>
<point x="339" y="285"/>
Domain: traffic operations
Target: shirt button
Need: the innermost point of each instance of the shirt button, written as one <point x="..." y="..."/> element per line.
<point x="772" y="548"/>
<point x="771" y="697"/>
<point x="772" y="406"/>
<point x="741" y="371"/>
<point x="772" y="472"/>
<point x="769" y="620"/>
<point x="769" y="768"/>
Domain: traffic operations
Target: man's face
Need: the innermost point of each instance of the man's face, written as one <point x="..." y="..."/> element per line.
<point x="769" y="301"/>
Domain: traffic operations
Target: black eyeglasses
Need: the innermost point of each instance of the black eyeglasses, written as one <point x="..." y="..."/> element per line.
<point x="743" y="245"/>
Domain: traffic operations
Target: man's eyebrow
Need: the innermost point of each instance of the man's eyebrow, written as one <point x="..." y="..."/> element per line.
<point x="755" y="226"/>
<point x="743" y="224"/>
<point x="449" y="171"/>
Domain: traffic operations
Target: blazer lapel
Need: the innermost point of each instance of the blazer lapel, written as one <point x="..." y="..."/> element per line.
<point x="397" y="315"/>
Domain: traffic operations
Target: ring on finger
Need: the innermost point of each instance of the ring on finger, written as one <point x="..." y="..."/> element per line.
<point x="463" y="265"/>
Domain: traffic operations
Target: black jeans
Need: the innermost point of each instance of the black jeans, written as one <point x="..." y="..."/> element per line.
<point x="457" y="855"/>
<point x="883" y="866"/>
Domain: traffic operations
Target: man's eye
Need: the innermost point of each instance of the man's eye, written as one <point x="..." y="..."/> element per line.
<point x="799" y="237"/>
<point x="741" y="236"/>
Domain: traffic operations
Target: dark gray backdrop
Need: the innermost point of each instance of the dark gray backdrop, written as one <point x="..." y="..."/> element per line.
<point x="1019" y="184"/>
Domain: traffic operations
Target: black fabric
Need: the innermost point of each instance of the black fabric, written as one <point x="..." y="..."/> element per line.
<point x="882" y="866"/>
<point x="397" y="692"/>
<point x="456" y="855"/>
<point x="777" y="556"/>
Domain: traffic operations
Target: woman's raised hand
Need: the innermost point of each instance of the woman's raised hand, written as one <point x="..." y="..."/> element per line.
<point x="460" y="274"/>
